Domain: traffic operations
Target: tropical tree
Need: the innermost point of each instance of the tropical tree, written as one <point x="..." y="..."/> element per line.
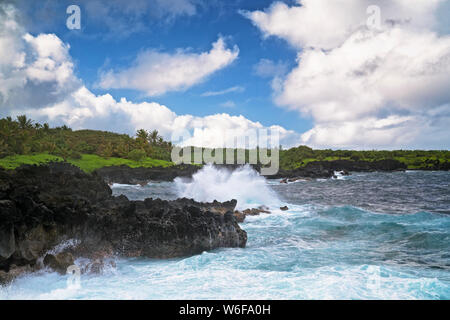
<point x="24" y="122"/>
<point x="142" y="134"/>
<point x="154" y="137"/>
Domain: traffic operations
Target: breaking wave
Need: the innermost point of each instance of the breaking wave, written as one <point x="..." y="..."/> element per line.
<point x="243" y="184"/>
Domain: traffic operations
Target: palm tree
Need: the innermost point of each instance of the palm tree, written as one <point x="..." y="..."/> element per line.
<point x="154" y="136"/>
<point x="24" y="122"/>
<point x="142" y="134"/>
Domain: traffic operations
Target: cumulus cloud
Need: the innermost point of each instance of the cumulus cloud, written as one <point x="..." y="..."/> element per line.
<point x="37" y="78"/>
<point x="30" y="65"/>
<point x="83" y="109"/>
<point x="327" y="24"/>
<point x="156" y="73"/>
<point x="364" y="87"/>
<point x="221" y="130"/>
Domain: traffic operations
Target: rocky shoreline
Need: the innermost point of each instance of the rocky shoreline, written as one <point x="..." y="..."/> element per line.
<point x="126" y="175"/>
<point x="42" y="207"/>
<point x="326" y="169"/>
<point x="313" y="170"/>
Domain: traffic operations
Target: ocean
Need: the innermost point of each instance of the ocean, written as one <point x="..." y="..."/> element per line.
<point x="363" y="236"/>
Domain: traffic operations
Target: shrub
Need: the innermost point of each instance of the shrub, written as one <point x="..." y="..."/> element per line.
<point x="136" y="154"/>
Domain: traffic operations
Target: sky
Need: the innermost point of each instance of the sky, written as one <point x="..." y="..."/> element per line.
<point x="351" y="74"/>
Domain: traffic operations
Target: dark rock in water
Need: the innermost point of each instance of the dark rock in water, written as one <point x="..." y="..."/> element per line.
<point x="302" y="173"/>
<point x="326" y="169"/>
<point x="255" y="211"/>
<point x="59" y="262"/>
<point x="43" y="206"/>
<point x="126" y="175"/>
<point x="14" y="271"/>
<point x="97" y="265"/>
<point x="285" y="208"/>
<point x="240" y="215"/>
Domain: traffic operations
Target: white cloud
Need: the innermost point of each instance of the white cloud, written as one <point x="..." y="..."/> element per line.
<point x="222" y="92"/>
<point x="156" y="73"/>
<point x="364" y="88"/>
<point x="32" y="65"/>
<point x="51" y="60"/>
<point x="396" y="69"/>
<point x="37" y="78"/>
<point x="328" y="23"/>
<point x="220" y="130"/>
<point x="83" y="109"/>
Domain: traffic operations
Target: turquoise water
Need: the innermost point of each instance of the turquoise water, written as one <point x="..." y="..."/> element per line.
<point x="357" y="237"/>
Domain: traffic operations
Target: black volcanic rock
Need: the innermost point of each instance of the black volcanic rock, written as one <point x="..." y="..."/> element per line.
<point x="361" y="166"/>
<point x="59" y="262"/>
<point x="325" y="169"/>
<point x="240" y="215"/>
<point x="126" y="175"/>
<point x="44" y="206"/>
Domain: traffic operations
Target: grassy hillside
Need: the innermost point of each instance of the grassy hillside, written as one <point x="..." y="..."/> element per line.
<point x="87" y="162"/>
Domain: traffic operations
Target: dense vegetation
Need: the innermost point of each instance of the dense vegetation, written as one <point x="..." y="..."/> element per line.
<point x="414" y="159"/>
<point x="23" y="141"/>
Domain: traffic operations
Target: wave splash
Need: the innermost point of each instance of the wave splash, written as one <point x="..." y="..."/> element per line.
<point x="243" y="184"/>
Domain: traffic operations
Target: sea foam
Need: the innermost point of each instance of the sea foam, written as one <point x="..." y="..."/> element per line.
<point x="243" y="184"/>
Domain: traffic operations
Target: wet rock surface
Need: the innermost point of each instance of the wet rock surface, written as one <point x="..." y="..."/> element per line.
<point x="59" y="262"/>
<point x="240" y="215"/>
<point x="44" y="206"/>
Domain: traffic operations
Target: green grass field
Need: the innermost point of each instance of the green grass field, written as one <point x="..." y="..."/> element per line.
<point x="87" y="163"/>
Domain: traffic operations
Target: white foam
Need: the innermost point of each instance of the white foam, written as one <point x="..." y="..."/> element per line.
<point x="121" y="185"/>
<point x="243" y="184"/>
<point x="339" y="175"/>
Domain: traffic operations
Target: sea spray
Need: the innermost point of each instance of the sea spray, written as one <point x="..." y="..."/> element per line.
<point x="243" y="184"/>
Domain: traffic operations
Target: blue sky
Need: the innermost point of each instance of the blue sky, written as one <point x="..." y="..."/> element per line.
<point x="96" y="46"/>
<point x="290" y="64"/>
